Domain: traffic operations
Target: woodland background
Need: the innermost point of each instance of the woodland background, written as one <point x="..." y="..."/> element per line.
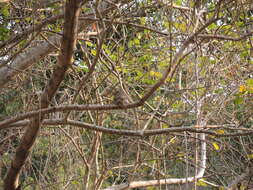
<point x="135" y="94"/>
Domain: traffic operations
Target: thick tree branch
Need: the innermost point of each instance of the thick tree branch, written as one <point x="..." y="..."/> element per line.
<point x="140" y="133"/>
<point x="72" y="10"/>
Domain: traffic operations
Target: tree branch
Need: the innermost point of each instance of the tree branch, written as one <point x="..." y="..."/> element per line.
<point x="72" y="10"/>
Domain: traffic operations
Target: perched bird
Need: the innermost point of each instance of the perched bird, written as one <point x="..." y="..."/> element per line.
<point x="120" y="97"/>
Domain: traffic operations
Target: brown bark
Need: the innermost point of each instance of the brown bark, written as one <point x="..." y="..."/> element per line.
<point x="72" y="9"/>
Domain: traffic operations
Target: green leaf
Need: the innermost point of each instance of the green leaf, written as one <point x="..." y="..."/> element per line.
<point x="105" y="48"/>
<point x="212" y="26"/>
<point x="249" y="82"/>
<point x="136" y="41"/>
<point x="5" y="11"/>
<point x="151" y="188"/>
<point x="238" y="100"/>
<point x="240" y="24"/>
<point x="3" y="33"/>
<point x="74" y="182"/>
<point x="143" y="20"/>
<point x="130" y="44"/>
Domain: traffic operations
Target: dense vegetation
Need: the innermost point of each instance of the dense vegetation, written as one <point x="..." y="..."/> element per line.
<point x="134" y="94"/>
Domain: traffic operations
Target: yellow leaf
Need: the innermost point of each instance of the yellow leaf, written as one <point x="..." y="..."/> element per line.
<point x="201" y="183"/>
<point x="250" y="156"/>
<point x="165" y="126"/>
<point x="216" y="146"/>
<point x="180" y="155"/>
<point x="155" y="74"/>
<point x="212" y="137"/>
<point x="242" y="88"/>
<point x="93" y="52"/>
<point x="220" y="131"/>
<point x="172" y="140"/>
<point x="89" y="44"/>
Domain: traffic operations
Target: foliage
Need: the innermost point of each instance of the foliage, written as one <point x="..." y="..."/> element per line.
<point x="131" y="48"/>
